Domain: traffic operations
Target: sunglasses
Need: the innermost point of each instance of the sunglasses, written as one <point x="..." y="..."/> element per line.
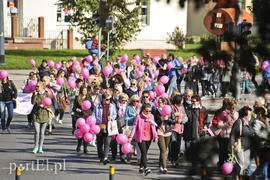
<point x="193" y="101"/>
<point x="107" y="99"/>
<point x="147" y="111"/>
<point x="133" y="84"/>
<point x="94" y="82"/>
<point x="135" y="101"/>
<point x="145" y="96"/>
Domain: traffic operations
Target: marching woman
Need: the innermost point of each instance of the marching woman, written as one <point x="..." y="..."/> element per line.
<point x="164" y="131"/>
<point x="104" y="112"/>
<point x="178" y="129"/>
<point x="144" y="127"/>
<point x="41" y="116"/>
<point x="80" y="113"/>
<point x="8" y="95"/>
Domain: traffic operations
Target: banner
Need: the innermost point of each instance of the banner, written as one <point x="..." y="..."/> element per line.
<point x="24" y="106"/>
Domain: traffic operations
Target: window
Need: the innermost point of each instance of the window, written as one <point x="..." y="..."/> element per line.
<point x="62" y="15"/>
<point x="144" y="16"/>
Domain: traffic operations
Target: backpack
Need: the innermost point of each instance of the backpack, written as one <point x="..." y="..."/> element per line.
<point x="88" y="44"/>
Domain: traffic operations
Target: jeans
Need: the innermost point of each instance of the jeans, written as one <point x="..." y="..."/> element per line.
<point x="103" y="139"/>
<point x="262" y="168"/>
<point x="176" y="146"/>
<point x="245" y="86"/>
<point x="9" y="106"/>
<point x="172" y="86"/>
<point x="93" y="51"/>
<point x="163" y="143"/>
<point x="39" y="133"/>
<point x="144" y="146"/>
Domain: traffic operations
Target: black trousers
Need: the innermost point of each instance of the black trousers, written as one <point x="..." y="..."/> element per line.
<point x="144" y="146"/>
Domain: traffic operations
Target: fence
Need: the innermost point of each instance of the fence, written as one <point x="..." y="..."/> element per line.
<point x="55" y="39"/>
<point x="28" y="27"/>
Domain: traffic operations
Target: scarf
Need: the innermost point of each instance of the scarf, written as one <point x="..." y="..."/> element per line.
<point x="121" y="109"/>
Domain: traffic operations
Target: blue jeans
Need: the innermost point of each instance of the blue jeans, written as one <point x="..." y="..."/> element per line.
<point x="9" y="106"/>
<point x="172" y="86"/>
<point x="245" y="86"/>
<point x="93" y="51"/>
<point x="262" y="168"/>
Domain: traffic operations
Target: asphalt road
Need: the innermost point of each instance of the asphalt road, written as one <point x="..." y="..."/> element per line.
<point x="61" y="161"/>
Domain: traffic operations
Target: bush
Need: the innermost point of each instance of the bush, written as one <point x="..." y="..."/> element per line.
<point x="193" y="39"/>
<point x="177" y="38"/>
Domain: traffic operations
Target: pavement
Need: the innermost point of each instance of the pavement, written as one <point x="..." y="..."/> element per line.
<point x="60" y="160"/>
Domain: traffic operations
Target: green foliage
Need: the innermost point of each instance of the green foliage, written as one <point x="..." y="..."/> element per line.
<point x="126" y="21"/>
<point x="200" y="38"/>
<point x="193" y="39"/>
<point x="177" y="38"/>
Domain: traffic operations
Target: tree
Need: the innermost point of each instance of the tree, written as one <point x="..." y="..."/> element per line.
<point x="177" y="38"/>
<point x="125" y="19"/>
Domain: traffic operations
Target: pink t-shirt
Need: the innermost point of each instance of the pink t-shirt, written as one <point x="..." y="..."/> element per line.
<point x="147" y="134"/>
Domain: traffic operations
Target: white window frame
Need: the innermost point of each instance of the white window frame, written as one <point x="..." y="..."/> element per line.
<point x="61" y="14"/>
<point x="144" y="18"/>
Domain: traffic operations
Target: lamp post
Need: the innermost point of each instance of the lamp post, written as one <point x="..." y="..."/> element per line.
<point x="2" y="38"/>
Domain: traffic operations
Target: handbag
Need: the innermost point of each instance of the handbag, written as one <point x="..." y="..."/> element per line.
<point x="126" y="129"/>
<point x="237" y="145"/>
<point x="62" y="104"/>
<point x="112" y="128"/>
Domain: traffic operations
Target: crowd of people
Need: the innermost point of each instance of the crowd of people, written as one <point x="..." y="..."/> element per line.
<point x="131" y="98"/>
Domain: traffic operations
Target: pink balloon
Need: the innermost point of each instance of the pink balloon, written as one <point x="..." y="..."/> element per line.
<point x="170" y="65"/>
<point x="51" y="63"/>
<point x="266" y="63"/>
<point x="164" y="95"/>
<point x="227" y="168"/>
<point x="184" y="70"/>
<point x="71" y="83"/>
<point x="91" y="120"/>
<point x="32" y="84"/>
<point x="164" y="79"/>
<point x="263" y="67"/>
<point x="139" y="74"/>
<point x="126" y="148"/>
<point x="27" y="89"/>
<point x="107" y="70"/>
<point x="85" y="128"/>
<point x="32" y="62"/>
<point x="80" y="122"/>
<point x="124" y="58"/>
<point x="95" y="129"/>
<point x="88" y="137"/>
<point x="152" y="95"/>
<point x="156" y="73"/>
<point x="85" y="72"/>
<point x="78" y="134"/>
<point x="156" y="59"/>
<point x="58" y="66"/>
<point x="166" y="110"/>
<point x="76" y="63"/>
<point x="159" y="89"/>
<point x="89" y="58"/>
<point x="46" y="101"/>
<point x="60" y="81"/>
<point x="141" y="68"/>
<point x="86" y="104"/>
<point x="3" y="74"/>
<point x="223" y="116"/>
<point x="121" y="138"/>
<point x="137" y="58"/>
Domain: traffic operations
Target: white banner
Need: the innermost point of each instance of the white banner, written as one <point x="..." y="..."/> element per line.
<point x="24" y="105"/>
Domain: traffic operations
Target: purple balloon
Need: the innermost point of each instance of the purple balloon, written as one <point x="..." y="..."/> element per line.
<point x="78" y="134"/>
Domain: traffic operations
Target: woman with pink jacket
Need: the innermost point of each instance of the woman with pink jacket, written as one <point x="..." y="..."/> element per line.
<point x="144" y="127"/>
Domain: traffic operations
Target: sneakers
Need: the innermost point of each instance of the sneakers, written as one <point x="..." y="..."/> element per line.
<point x="140" y="170"/>
<point x="9" y="130"/>
<point x="40" y="150"/>
<point x="105" y="161"/>
<point x="60" y="121"/>
<point x="161" y="169"/>
<point x="250" y="92"/>
<point x="4" y="131"/>
<point x="147" y="171"/>
<point x="165" y="171"/>
<point x="203" y="97"/>
<point x="35" y="150"/>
